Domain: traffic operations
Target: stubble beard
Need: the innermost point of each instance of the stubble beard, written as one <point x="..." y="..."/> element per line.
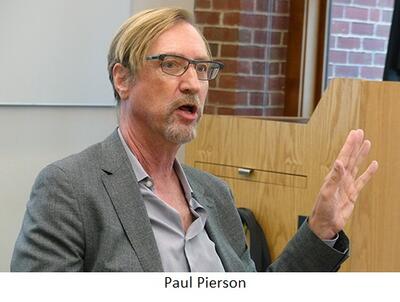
<point x="175" y="131"/>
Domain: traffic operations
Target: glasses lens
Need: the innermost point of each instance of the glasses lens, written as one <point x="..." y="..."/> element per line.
<point x="213" y="71"/>
<point x="174" y="65"/>
<point x="202" y="70"/>
<point x="207" y="70"/>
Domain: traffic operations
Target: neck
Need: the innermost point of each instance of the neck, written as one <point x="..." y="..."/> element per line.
<point x="156" y="156"/>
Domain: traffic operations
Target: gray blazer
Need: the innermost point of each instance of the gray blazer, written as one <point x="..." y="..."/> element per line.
<point x="86" y="213"/>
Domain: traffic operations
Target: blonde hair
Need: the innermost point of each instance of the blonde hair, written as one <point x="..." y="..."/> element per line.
<point x="130" y="44"/>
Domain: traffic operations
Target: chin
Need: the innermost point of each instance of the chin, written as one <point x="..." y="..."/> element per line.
<point x="180" y="135"/>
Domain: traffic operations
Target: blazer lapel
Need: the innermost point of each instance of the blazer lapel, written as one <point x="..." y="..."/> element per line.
<point x="119" y="181"/>
<point x="229" y="258"/>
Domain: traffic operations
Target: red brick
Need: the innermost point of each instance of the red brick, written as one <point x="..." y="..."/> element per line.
<point x="227" y="97"/>
<point x="226" y="111"/>
<point x="340" y="27"/>
<point x="278" y="111"/>
<point x="370" y="3"/>
<point x="202" y="4"/>
<point x="274" y="68"/>
<point x="382" y="30"/>
<point x="374" y="15"/>
<point x="241" y="82"/>
<point x="346" y="71"/>
<point x="272" y="38"/>
<point x="374" y="44"/>
<point x="253" y="20"/>
<point x="221" y="34"/>
<point x="387" y="16"/>
<point x="280" y="22"/>
<point x="360" y="58"/>
<point x="337" y="11"/>
<point x="386" y="3"/>
<point x="276" y="84"/>
<point x="332" y="41"/>
<point x="236" y="66"/>
<point x="356" y="13"/>
<point x="258" y="98"/>
<point x="283" y="67"/>
<point x="276" y="38"/>
<point x="285" y="38"/>
<point x="211" y="18"/>
<point x="226" y="5"/>
<point x="208" y="109"/>
<point x="337" y="56"/>
<point x="277" y="98"/>
<point x="330" y="72"/>
<point x="214" y="47"/>
<point x="348" y="43"/>
<point x="243" y="51"/>
<point x="246" y="5"/>
<point x="229" y="51"/>
<point x="260" y="36"/>
<point x="230" y="18"/>
<point x="379" y="59"/>
<point x="371" y="73"/>
<point x="213" y="83"/>
<point x="244" y="36"/>
<point x="262" y="5"/>
<point x="282" y="7"/>
<point x="259" y="68"/>
<point x="362" y="29"/>
<point x="277" y="53"/>
<point x="246" y="20"/>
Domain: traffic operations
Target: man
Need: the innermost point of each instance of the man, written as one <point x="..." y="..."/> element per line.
<point x="126" y="204"/>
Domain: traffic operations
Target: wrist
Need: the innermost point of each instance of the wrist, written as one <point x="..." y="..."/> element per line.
<point x="323" y="232"/>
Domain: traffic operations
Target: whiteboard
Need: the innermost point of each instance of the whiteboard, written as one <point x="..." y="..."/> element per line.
<point x="54" y="52"/>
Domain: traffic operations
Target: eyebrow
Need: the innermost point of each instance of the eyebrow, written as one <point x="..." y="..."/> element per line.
<point x="202" y="58"/>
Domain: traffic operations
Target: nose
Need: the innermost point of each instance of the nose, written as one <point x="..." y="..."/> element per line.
<point x="190" y="83"/>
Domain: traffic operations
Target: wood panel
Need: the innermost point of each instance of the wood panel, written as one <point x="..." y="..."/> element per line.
<point x="308" y="150"/>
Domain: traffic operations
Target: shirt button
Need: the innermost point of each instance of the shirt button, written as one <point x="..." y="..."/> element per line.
<point x="148" y="183"/>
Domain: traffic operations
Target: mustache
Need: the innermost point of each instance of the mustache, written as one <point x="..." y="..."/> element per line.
<point x="186" y="99"/>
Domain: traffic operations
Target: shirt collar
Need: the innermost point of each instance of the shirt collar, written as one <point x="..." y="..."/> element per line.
<point x="142" y="175"/>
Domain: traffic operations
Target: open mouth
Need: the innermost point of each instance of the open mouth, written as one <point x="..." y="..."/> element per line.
<point x="188" y="108"/>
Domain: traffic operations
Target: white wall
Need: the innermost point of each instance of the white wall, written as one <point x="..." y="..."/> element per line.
<point x="33" y="136"/>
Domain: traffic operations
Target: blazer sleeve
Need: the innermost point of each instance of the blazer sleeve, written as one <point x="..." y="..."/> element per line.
<point x="305" y="252"/>
<point x="51" y="237"/>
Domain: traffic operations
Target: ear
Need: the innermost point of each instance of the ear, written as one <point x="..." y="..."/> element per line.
<point x="121" y="77"/>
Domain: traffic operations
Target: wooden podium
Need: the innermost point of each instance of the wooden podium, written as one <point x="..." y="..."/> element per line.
<point x="276" y="168"/>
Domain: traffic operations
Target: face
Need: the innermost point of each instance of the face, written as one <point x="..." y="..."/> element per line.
<point x="164" y="106"/>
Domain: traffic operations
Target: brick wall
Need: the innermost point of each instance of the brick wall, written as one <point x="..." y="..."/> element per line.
<point x="249" y="37"/>
<point x="359" y="37"/>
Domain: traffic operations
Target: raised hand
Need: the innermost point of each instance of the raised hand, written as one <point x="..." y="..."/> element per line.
<point x="339" y="192"/>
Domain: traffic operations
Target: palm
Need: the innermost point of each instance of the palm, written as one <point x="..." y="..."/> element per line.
<point x="341" y="187"/>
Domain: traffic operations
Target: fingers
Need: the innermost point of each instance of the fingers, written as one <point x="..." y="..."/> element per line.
<point x="351" y="147"/>
<point x="366" y="176"/>
<point x="362" y="154"/>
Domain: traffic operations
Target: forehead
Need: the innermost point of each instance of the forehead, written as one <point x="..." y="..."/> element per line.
<point x="181" y="39"/>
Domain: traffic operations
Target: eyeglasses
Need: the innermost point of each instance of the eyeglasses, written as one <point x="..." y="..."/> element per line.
<point x="176" y="66"/>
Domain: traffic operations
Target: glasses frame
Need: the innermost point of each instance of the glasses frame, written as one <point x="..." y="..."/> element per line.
<point x="161" y="58"/>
